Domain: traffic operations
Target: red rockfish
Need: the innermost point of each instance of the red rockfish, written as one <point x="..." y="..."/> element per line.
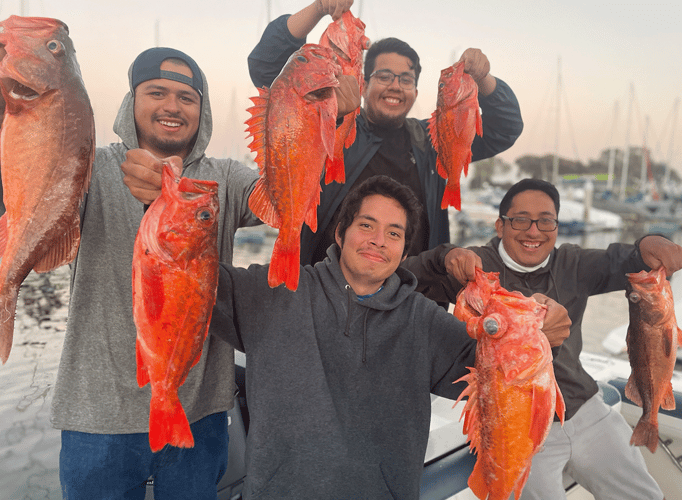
<point x="47" y="148"/>
<point x="512" y="392"/>
<point x="652" y="340"/>
<point x="293" y="126"/>
<point x="346" y="37"/>
<point x="175" y="278"/>
<point x="453" y="125"/>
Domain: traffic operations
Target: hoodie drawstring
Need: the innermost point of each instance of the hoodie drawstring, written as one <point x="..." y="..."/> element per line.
<point x="350" y="303"/>
<point x="364" y="324"/>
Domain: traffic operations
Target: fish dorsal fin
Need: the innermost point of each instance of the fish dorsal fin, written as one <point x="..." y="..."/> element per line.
<point x="261" y="204"/>
<point x="257" y="126"/>
<point x="62" y="252"/>
<point x="3" y="234"/>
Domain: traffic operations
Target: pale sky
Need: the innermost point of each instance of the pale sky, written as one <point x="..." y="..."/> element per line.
<point x="605" y="48"/>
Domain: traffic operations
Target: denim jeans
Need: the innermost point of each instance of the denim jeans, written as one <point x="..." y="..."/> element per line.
<point x="117" y="466"/>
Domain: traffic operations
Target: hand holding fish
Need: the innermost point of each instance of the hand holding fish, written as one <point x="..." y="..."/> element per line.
<point x="476" y="65"/>
<point x="143" y="173"/>
<point x="557" y="325"/>
<point x="658" y="251"/>
<point x="347" y="94"/>
<point x="334" y="8"/>
<point x="304" y="21"/>
<point x="461" y="263"/>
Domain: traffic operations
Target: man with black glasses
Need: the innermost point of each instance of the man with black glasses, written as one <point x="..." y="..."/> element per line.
<point x="388" y="143"/>
<point x="593" y="444"/>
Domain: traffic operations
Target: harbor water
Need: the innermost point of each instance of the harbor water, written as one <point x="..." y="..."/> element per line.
<point x="29" y="446"/>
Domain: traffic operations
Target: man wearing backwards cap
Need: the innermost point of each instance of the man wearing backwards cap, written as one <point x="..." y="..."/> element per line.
<point x="103" y="414"/>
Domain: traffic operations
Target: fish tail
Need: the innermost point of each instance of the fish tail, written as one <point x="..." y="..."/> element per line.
<point x="285" y="264"/>
<point x="168" y="424"/>
<point x="645" y="434"/>
<point x="8" y="305"/>
<point x="452" y="197"/>
<point x="334" y="170"/>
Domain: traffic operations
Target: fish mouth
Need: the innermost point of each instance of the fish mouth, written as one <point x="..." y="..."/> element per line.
<point x="21" y="92"/>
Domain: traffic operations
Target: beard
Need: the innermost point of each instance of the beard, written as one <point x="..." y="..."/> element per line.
<point x="384" y="121"/>
<point x="171" y="147"/>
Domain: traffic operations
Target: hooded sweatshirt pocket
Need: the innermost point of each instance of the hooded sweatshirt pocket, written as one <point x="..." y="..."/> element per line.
<point x="310" y="477"/>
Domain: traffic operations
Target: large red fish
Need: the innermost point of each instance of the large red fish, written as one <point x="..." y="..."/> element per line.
<point x="512" y="392"/>
<point x="453" y="125"/>
<point x="175" y="278"/>
<point x="293" y="125"/>
<point x="47" y="147"/>
<point x="346" y="37"/>
<point x="652" y="340"/>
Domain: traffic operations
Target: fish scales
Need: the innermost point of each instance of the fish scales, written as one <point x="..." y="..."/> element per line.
<point x="453" y="126"/>
<point x="293" y="125"/>
<point x="175" y="279"/>
<point x="47" y="147"/>
<point x="512" y="392"/>
<point x="652" y="340"/>
<point x="346" y="37"/>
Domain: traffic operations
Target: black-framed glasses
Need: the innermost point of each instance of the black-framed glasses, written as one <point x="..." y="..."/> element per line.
<point x="545" y="224"/>
<point x="386" y="76"/>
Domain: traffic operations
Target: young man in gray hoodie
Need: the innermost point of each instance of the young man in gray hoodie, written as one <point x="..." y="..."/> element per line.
<point x="339" y="373"/>
<point x="103" y="414"/>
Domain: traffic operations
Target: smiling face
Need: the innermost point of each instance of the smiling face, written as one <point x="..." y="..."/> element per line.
<point x="387" y="106"/>
<point x="532" y="246"/>
<point x="372" y="248"/>
<point x="167" y="114"/>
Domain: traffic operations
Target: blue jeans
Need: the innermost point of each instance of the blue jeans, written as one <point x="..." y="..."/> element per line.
<point x="117" y="466"/>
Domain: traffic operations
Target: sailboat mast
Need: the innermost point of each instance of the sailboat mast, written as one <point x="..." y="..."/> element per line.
<point x="612" y="151"/>
<point x="555" y="163"/>
<point x="666" y="178"/>
<point x="626" y="158"/>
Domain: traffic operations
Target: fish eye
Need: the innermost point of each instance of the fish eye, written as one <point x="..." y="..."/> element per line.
<point x="441" y="85"/>
<point x="302" y="59"/>
<point x="204" y="215"/>
<point x="55" y="46"/>
<point x="634" y="297"/>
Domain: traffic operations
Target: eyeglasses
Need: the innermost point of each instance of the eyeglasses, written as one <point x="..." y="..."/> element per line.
<point x="524" y="223"/>
<point x="386" y="76"/>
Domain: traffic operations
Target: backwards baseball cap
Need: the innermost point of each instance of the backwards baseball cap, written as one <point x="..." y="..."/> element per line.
<point x="147" y="66"/>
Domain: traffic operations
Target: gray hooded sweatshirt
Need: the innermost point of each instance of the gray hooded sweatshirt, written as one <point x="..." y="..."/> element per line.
<point x="96" y="389"/>
<point x="338" y="389"/>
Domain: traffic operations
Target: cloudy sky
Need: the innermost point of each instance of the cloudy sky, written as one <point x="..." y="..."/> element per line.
<point x="615" y="59"/>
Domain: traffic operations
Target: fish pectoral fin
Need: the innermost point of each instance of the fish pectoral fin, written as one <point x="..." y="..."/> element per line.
<point x="632" y="392"/>
<point x="142" y="373"/>
<point x="62" y="252"/>
<point x="668" y="402"/>
<point x="541" y="402"/>
<point x="560" y="405"/>
<point x="261" y="205"/>
<point x="311" y="216"/>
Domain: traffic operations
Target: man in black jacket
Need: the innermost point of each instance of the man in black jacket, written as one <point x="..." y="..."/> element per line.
<point x="387" y="142"/>
<point x="593" y="443"/>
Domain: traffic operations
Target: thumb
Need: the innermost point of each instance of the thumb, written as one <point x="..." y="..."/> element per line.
<point x="175" y="163"/>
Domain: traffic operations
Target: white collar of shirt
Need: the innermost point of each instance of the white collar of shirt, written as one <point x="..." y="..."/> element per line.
<point x="515" y="266"/>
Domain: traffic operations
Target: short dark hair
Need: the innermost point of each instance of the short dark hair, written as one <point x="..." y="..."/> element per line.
<point x="529" y="185"/>
<point x="384" y="186"/>
<point x="390" y="45"/>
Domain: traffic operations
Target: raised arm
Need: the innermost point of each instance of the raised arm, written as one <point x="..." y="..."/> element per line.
<point x="285" y="35"/>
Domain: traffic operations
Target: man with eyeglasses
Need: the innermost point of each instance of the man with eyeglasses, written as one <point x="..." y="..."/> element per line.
<point x="593" y="445"/>
<point x="388" y="142"/>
